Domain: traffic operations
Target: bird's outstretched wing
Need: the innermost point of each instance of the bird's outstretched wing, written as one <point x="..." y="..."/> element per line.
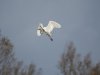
<point x="40" y="29"/>
<point x="52" y="25"/>
<point x="38" y="32"/>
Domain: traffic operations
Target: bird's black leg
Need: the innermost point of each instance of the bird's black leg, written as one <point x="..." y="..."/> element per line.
<point x="50" y="37"/>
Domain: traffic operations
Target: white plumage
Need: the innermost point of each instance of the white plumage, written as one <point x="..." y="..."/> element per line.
<point x="47" y="30"/>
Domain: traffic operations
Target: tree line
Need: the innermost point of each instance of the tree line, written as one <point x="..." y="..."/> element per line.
<point x="70" y="62"/>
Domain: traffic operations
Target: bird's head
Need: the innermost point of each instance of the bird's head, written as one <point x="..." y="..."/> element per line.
<point x="41" y="25"/>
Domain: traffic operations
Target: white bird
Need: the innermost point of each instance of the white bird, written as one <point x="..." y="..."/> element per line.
<point x="47" y="30"/>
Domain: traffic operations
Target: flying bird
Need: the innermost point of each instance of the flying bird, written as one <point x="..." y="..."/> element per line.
<point x="48" y="29"/>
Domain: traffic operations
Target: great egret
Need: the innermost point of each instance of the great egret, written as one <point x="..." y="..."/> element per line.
<point x="47" y="30"/>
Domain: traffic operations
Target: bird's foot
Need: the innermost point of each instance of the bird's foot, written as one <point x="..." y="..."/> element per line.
<point x="51" y="39"/>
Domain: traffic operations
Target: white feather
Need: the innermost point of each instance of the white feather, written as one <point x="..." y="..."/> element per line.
<point x="51" y="26"/>
<point x="47" y="30"/>
<point x="38" y="33"/>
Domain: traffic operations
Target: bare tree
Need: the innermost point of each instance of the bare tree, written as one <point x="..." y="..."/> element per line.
<point x="7" y="58"/>
<point x="95" y="70"/>
<point x="72" y="64"/>
<point x="66" y="63"/>
<point x="31" y="69"/>
<point x="9" y="65"/>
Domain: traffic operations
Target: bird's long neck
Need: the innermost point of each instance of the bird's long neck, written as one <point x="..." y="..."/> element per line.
<point x="42" y="28"/>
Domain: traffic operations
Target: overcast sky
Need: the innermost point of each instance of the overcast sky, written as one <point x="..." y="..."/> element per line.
<point x="80" y="20"/>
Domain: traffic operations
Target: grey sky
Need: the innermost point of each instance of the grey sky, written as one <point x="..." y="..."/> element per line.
<point x="80" y="20"/>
